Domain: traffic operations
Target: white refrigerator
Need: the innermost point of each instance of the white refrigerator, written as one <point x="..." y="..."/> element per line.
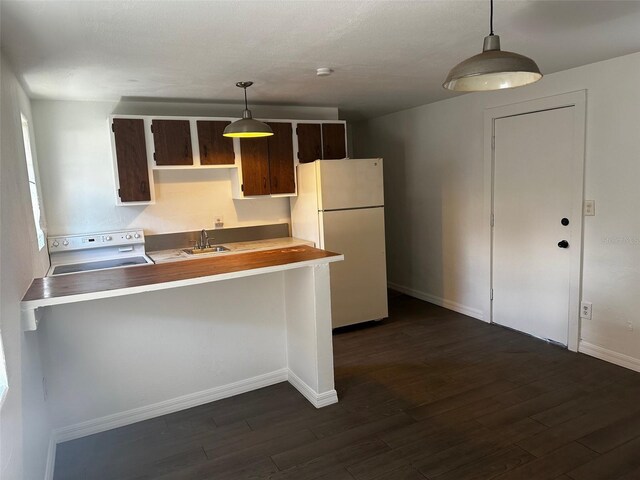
<point x="340" y="207"/>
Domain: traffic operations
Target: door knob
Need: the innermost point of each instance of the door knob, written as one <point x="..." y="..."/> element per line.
<point x="563" y="244"/>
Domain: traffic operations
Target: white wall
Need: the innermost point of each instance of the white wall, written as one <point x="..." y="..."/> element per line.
<point x="105" y="357"/>
<point x="435" y="192"/>
<point x="24" y="422"/>
<point x="77" y="173"/>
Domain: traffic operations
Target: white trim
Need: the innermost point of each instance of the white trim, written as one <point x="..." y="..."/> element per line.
<point x="318" y="400"/>
<point x="51" y="458"/>
<point x="609" y="355"/>
<point x="146" y="412"/>
<point x="442" y="302"/>
<point x="577" y="100"/>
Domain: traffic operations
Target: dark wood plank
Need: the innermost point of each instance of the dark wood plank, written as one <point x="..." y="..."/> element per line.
<point x="333" y="141"/>
<point x="309" y="142"/>
<point x="255" y="166"/>
<point x="131" y="158"/>
<point x="172" y="142"/>
<point x="215" y="149"/>
<point x="140" y="275"/>
<point x="281" y="171"/>
<point x="488" y="403"/>
<point x="552" y="465"/>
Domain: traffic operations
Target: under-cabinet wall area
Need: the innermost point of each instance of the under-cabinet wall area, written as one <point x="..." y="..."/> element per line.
<point x="77" y="170"/>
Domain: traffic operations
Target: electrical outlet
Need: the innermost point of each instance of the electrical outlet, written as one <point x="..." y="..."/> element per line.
<point x="589" y="208"/>
<point x="218" y="221"/>
<point x="585" y="310"/>
<point x="630" y="326"/>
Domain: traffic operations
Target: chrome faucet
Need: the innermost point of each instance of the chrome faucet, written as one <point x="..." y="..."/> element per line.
<point x="204" y="239"/>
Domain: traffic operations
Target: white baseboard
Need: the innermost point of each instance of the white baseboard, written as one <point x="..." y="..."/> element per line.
<point x="609" y="355"/>
<point x="318" y="400"/>
<point x="128" y="417"/>
<point x="51" y="458"/>
<point x="448" y="304"/>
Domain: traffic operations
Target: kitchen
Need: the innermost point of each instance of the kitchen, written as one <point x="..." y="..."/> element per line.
<point x="78" y="199"/>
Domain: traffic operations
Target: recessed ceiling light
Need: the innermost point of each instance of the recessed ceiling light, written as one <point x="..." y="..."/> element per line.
<point x="324" y="71"/>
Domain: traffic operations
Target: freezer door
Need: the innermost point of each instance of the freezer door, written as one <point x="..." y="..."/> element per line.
<point x="359" y="283"/>
<point x="350" y="183"/>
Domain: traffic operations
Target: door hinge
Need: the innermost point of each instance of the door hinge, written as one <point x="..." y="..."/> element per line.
<point x="151" y="128"/>
<point x="154" y="156"/>
<point x="492" y="220"/>
<point x="113" y="127"/>
<point x="296" y="130"/>
<point x="493" y="142"/>
<point x="491" y="294"/>
<point x="119" y="193"/>
<point x="242" y="187"/>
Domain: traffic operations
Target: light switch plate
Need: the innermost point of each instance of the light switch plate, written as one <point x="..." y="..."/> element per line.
<point x="589" y="208"/>
<point x="218" y="221"/>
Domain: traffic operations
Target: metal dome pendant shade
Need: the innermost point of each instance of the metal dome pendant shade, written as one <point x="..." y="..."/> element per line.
<point x="247" y="127"/>
<point x="493" y="69"/>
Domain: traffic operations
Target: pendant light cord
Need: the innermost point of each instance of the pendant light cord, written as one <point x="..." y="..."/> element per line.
<point x="245" y="96"/>
<point x="491" y="20"/>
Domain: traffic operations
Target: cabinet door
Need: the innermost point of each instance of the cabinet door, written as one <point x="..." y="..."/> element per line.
<point x="309" y="142"/>
<point x="333" y="141"/>
<point x="214" y="148"/>
<point x="131" y="158"/>
<point x="255" y="166"/>
<point x="281" y="158"/>
<point x="172" y="142"/>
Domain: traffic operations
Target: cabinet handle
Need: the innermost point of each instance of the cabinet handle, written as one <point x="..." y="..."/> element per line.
<point x="186" y="150"/>
<point x="143" y="187"/>
<point x="264" y="183"/>
<point x="205" y="154"/>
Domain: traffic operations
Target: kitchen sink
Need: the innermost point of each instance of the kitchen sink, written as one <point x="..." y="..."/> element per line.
<point x="200" y="251"/>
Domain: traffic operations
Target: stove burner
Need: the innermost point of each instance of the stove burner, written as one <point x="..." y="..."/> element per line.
<point x="98" y="265"/>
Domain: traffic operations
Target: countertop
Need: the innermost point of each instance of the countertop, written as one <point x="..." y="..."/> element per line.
<point x="167" y="274"/>
<point x="177" y="255"/>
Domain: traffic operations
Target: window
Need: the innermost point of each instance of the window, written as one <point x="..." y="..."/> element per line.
<point x="33" y="187"/>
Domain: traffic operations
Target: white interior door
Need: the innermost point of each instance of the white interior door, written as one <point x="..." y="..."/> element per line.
<point x="359" y="283"/>
<point x="533" y="192"/>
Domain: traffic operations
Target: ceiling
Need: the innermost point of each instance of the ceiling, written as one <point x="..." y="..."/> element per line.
<point x="387" y="55"/>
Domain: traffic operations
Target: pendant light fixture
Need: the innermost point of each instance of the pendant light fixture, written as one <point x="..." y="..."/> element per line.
<point x="493" y="69"/>
<point x="247" y="127"/>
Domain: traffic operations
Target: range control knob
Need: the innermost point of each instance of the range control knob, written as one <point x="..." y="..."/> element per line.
<point x="55" y="243"/>
<point x="137" y="235"/>
<point x="128" y="236"/>
<point x="108" y="238"/>
<point x="65" y="242"/>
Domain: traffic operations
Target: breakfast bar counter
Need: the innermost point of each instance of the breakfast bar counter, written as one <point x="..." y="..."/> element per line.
<point x="168" y="336"/>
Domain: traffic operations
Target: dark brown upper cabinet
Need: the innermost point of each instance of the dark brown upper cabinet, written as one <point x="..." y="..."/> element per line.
<point x="321" y="141"/>
<point x="281" y="168"/>
<point x="333" y="141"/>
<point x="172" y="142"/>
<point x="267" y="163"/>
<point x="309" y="142"/>
<point x="214" y="148"/>
<point x="131" y="159"/>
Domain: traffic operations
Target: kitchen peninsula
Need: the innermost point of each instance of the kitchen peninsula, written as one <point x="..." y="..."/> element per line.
<point x="165" y="337"/>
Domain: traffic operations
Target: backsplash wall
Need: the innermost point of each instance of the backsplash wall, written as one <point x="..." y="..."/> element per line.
<point x="76" y="172"/>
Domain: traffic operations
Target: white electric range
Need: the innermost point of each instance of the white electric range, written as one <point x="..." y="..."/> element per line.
<point x="96" y="251"/>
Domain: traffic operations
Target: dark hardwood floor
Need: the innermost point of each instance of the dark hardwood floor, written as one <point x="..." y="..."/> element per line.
<point x="426" y="394"/>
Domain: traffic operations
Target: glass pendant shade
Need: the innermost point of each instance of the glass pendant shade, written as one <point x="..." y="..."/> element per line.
<point x="247" y="127"/>
<point x="492" y="69"/>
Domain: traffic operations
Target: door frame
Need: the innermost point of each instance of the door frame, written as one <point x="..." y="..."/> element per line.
<point x="577" y="100"/>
